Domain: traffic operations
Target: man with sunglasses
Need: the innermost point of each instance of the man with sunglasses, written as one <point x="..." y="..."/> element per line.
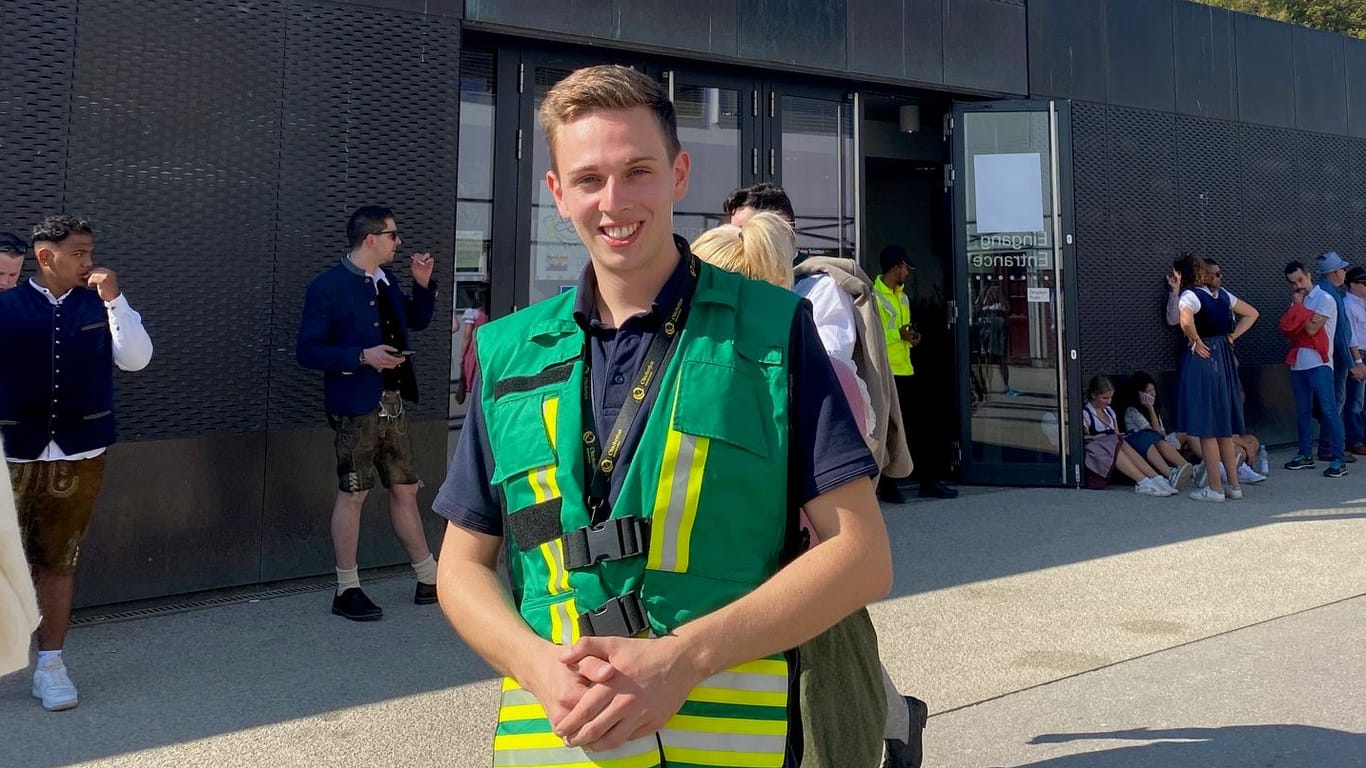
<point x="355" y="329"/>
<point x="12" y="251"/>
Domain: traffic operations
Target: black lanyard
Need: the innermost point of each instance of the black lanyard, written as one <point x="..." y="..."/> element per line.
<point x="599" y="467"/>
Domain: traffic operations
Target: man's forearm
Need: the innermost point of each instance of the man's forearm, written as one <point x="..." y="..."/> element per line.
<point x="835" y="578"/>
<point x="478" y="605"/>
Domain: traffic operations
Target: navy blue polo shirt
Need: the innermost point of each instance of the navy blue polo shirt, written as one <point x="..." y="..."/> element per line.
<point x="825" y="449"/>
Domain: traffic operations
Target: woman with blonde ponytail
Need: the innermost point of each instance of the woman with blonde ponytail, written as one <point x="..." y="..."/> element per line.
<point x="762" y="249"/>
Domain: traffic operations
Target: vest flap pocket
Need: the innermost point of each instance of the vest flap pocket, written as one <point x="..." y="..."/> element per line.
<point x="518" y="434"/>
<point x="95" y="326"/>
<point x="722" y="403"/>
<point x="760" y="353"/>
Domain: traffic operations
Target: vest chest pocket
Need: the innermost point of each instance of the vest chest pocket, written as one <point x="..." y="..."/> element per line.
<point x="520" y="433"/>
<point x="729" y="398"/>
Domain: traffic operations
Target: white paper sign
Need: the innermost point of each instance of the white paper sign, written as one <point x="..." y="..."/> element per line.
<point x="1040" y="295"/>
<point x="1009" y="192"/>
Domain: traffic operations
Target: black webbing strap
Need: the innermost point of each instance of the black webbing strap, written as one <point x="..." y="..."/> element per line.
<point x="532" y="526"/>
<point x="614" y="539"/>
<point x="599" y="467"/>
<point x="620" y="617"/>
<point x="555" y="374"/>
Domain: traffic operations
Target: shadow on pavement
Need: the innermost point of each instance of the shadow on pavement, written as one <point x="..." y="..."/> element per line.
<point x="1273" y="746"/>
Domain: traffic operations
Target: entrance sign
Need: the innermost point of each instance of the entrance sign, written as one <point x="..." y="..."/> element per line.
<point x="1009" y="192"/>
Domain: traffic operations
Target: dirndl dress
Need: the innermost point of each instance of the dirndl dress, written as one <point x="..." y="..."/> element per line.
<point x="1209" y="399"/>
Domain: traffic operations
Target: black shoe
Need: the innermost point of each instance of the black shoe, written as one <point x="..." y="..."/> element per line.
<point x="1347" y="457"/>
<point x="1336" y="469"/>
<point x="354" y="605"/>
<point x="1301" y="462"/>
<point x="901" y="754"/>
<point x="937" y="491"/>
<point x="888" y="493"/>
<point x="425" y="594"/>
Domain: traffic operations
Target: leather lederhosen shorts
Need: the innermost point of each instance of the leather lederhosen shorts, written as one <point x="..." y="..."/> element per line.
<point x="376" y="441"/>
<point x="55" y="500"/>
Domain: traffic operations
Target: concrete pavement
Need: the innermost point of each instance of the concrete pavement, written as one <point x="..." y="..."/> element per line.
<point x="1045" y="627"/>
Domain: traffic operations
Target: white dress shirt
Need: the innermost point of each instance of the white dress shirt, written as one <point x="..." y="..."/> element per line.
<point x="833" y="310"/>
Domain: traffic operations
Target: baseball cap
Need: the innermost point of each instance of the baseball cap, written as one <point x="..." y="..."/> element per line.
<point x="1331" y="262"/>
<point x="1356" y="275"/>
<point x="891" y="256"/>
<point x="12" y="244"/>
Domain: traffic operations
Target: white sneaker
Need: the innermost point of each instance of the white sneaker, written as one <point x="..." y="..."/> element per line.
<point x="1247" y="474"/>
<point x="1233" y="492"/>
<point x="1177" y="479"/>
<point x="1148" y="487"/>
<point x="1206" y="494"/>
<point x="54" y="688"/>
<point x="1165" y="485"/>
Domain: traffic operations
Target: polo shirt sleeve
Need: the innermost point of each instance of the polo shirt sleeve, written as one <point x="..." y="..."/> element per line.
<point x="825" y="449"/>
<point x="467" y="497"/>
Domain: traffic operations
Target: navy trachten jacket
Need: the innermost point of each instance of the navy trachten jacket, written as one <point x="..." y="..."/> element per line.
<point x="45" y="397"/>
<point x="341" y="319"/>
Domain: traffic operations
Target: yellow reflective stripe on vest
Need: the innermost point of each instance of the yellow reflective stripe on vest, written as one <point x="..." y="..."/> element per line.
<point x="727" y="739"/>
<point x="564" y="621"/>
<point x="524" y="740"/>
<point x="725" y="736"/>
<point x="675" y="508"/>
<point x="545" y="487"/>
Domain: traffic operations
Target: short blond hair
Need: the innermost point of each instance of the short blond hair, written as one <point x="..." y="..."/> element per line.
<point x="761" y="249"/>
<point x="609" y="86"/>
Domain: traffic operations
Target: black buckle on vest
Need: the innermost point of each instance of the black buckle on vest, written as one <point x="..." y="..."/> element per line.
<point x="615" y="539"/>
<point x="620" y="617"/>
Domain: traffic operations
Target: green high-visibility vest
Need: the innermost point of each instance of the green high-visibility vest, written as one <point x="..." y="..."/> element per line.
<point x="709" y="474"/>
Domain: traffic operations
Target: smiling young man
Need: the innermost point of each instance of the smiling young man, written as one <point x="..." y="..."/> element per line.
<point x="69" y="325"/>
<point x="648" y="438"/>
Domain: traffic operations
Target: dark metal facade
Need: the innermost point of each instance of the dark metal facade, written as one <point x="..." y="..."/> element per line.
<point x="218" y="148"/>
<point x="1205" y="131"/>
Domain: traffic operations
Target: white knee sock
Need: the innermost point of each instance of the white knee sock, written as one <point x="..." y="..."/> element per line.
<point x="347" y="578"/>
<point x="426" y="570"/>
<point x="49" y="658"/>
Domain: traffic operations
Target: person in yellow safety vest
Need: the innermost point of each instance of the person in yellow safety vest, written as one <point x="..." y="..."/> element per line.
<point x="613" y="432"/>
<point x="894" y="307"/>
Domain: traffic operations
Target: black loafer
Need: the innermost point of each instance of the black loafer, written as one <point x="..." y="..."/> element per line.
<point x="937" y="491"/>
<point x="354" y="605"/>
<point x="425" y="594"/>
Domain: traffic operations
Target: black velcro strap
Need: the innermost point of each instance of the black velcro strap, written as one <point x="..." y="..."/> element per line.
<point x="532" y="526"/>
<point x="615" y="539"/>
<point x="555" y="374"/>
<point x="620" y="617"/>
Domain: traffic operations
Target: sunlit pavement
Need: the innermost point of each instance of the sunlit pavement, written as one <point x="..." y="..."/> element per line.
<point x="1048" y="628"/>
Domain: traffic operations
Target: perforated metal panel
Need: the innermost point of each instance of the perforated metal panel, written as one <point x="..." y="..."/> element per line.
<point x="1143" y="232"/>
<point x="1269" y="177"/>
<point x="1357" y="198"/>
<point x="174" y="134"/>
<point x="1209" y="199"/>
<point x="370" y="117"/>
<point x="35" y="81"/>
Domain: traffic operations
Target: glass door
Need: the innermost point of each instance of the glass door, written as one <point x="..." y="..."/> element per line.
<point x="811" y="156"/>
<point x="1016" y="312"/>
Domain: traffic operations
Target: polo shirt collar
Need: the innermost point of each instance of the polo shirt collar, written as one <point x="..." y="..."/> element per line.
<point x="586" y="298"/>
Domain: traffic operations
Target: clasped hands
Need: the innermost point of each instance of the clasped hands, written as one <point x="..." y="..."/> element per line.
<point x="605" y="691"/>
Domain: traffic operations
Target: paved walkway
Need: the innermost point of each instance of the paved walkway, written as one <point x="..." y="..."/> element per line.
<point x="1045" y="627"/>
